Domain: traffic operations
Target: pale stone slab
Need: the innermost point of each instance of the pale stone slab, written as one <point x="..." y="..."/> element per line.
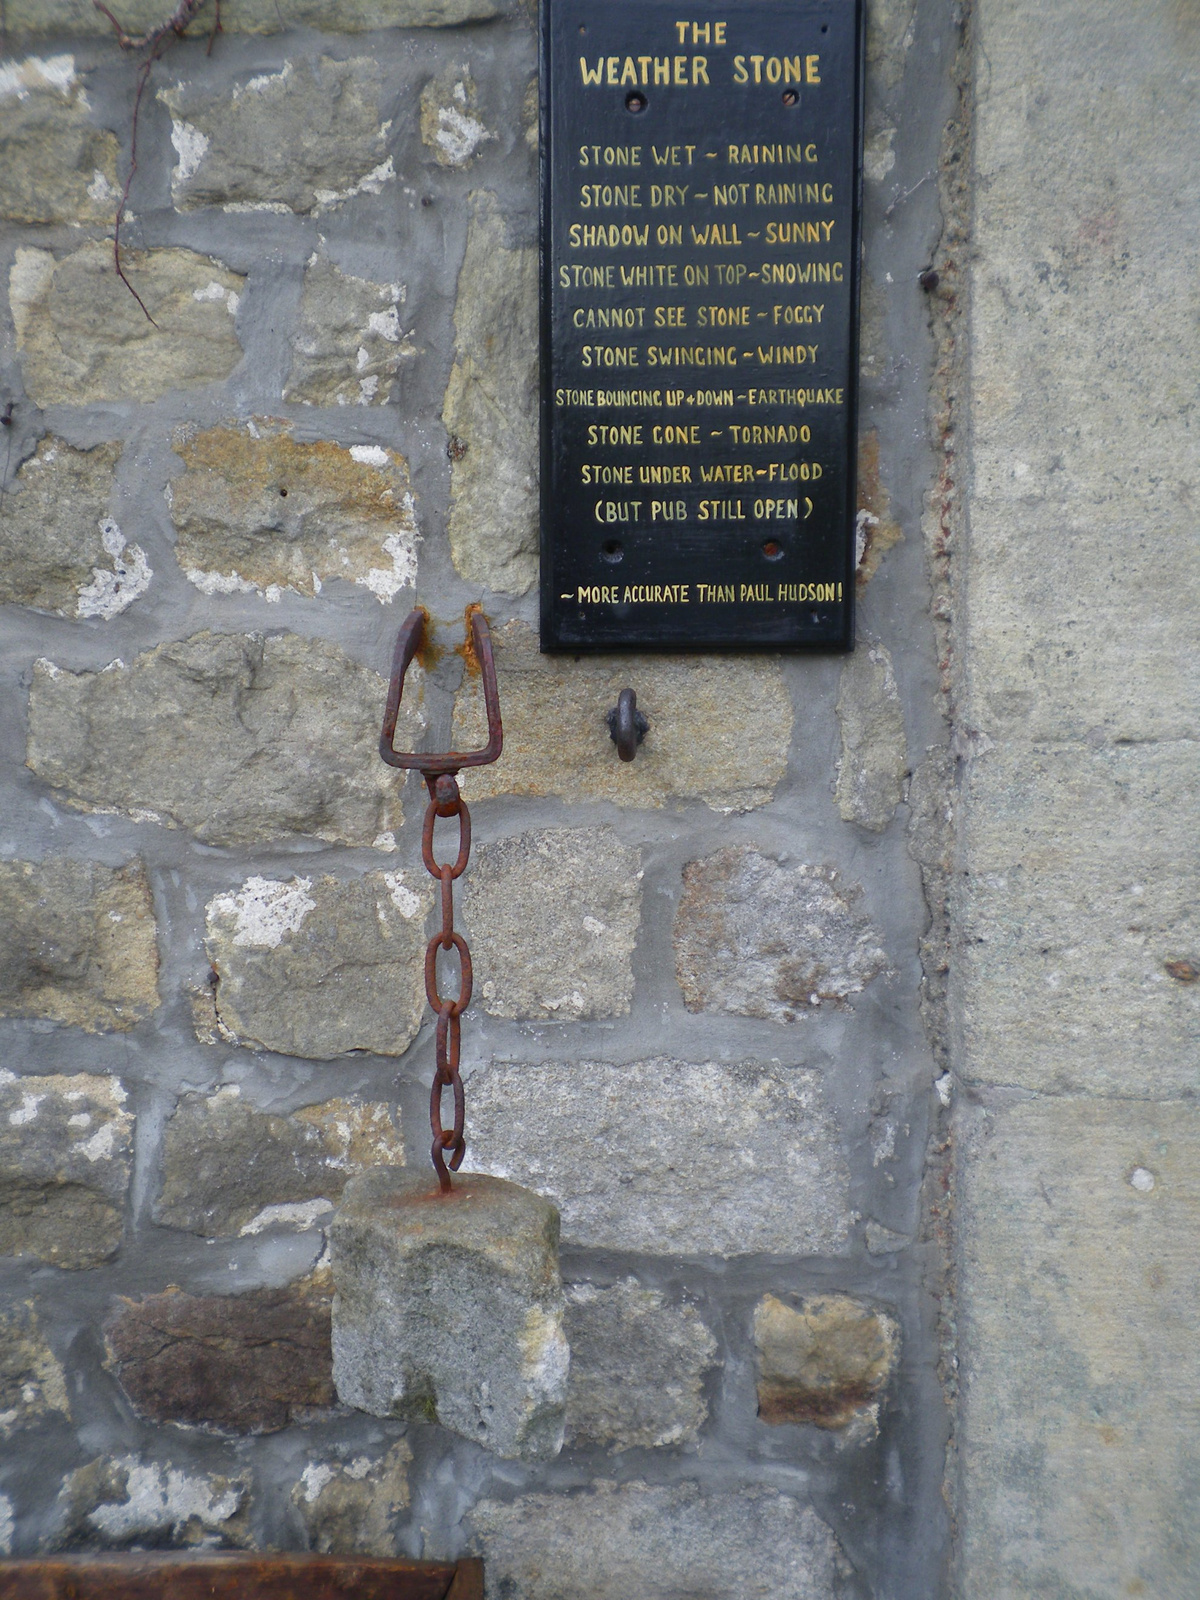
<point x="449" y="124"/>
<point x="126" y="1502"/>
<point x="1079" y="1333"/>
<point x="554" y="917"/>
<point x="827" y="1360"/>
<point x="36" y="17"/>
<point x="238" y="738"/>
<point x="874" y="760"/>
<point x="739" y="1157"/>
<point x="449" y="1308"/>
<point x="491" y="408"/>
<point x="1082" y="889"/>
<point x="66" y="1157"/>
<point x="350" y="345"/>
<point x="319" y="968"/>
<point x="229" y="1168"/>
<point x="82" y="337"/>
<point x="258" y="511"/>
<point x="32" y="1385"/>
<point x="56" y="165"/>
<point x="352" y="1507"/>
<point x="556" y="739"/>
<point x="612" y="1542"/>
<point x="78" y="943"/>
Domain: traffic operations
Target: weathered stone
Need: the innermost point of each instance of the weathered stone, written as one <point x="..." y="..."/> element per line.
<point x="256" y="510"/>
<point x="827" y="1360"/>
<point x="78" y="943"/>
<point x="352" y="1508"/>
<point x="891" y="25"/>
<point x="449" y="1308"/>
<point x="349" y="346"/>
<point x="637" y="1368"/>
<point x="32" y="1386"/>
<point x="8" y="1522"/>
<point x="761" y="939"/>
<point x="237" y="737"/>
<point x="870" y="778"/>
<point x="228" y="1168"/>
<point x="614" y="1541"/>
<point x="449" y="126"/>
<point x="556" y="738"/>
<point x="246" y="1363"/>
<point x="1079" y="1348"/>
<point x="554" y="918"/>
<point x="82" y="336"/>
<point x="491" y="408"/>
<point x="60" y="550"/>
<point x="116" y="1503"/>
<point x="55" y="164"/>
<point x="747" y="1157"/>
<point x="876" y="529"/>
<point x="66" y="1154"/>
<point x="320" y="969"/>
<point x="79" y="17"/>
<point x="301" y="139"/>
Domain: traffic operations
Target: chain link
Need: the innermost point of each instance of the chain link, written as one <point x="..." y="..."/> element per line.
<point x="449" y="1144"/>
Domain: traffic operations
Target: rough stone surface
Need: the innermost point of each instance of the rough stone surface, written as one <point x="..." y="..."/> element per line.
<point x="349" y="345"/>
<point x="554" y="918"/>
<point x="256" y="510"/>
<point x="60" y="550"/>
<point x="556" y="739"/>
<point x="353" y="1508"/>
<point x="320" y="969"/>
<point x="301" y="139"/>
<point x="870" y="778"/>
<point x="247" y="1363"/>
<point x="1079" y="1340"/>
<point x="82" y="337"/>
<point x="66" y="1155"/>
<point x="614" y="1541"/>
<point x="450" y="1308"/>
<point x="128" y="1502"/>
<point x="449" y="125"/>
<point x="638" y="1366"/>
<point x="32" y="1385"/>
<point x="747" y="1159"/>
<point x="56" y="165"/>
<point x="491" y="408"/>
<point x="236" y="737"/>
<point x="762" y="939"/>
<point x="78" y="943"/>
<point x="38" y="17"/>
<point x="827" y="1360"/>
<point x="228" y="1168"/>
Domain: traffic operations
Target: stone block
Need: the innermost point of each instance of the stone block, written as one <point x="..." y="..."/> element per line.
<point x="320" y="969"/>
<point x="82" y="337"/>
<point x="491" y="408"/>
<point x="556" y="739"/>
<point x="60" y="550"/>
<point x="231" y="1169"/>
<point x="32" y="1385"/>
<point x="246" y="1363"/>
<point x="78" y="943"/>
<point x="613" y="1541"/>
<point x="349" y="345"/>
<point x="301" y="139"/>
<point x="871" y="772"/>
<point x="353" y="1508"/>
<point x="79" y="17"/>
<point x="56" y="165"/>
<point x="554" y="918"/>
<point x="827" y="1360"/>
<point x="449" y="125"/>
<point x="449" y="1308"/>
<point x="238" y="738"/>
<point x="638" y="1366"/>
<point x="258" y="511"/>
<point x="739" y="1158"/>
<point x="66" y="1156"/>
<point x="1079" y="1348"/>
<point x="1082" y="890"/>
<point x="127" y="1502"/>
<point x="759" y="938"/>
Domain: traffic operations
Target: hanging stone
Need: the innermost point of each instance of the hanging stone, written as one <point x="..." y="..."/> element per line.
<point x="449" y="1308"/>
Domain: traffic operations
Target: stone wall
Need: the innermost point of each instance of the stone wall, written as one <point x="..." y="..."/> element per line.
<point x="709" y="1018"/>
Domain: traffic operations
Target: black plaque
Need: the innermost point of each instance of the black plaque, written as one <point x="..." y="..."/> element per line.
<point x="700" y="210"/>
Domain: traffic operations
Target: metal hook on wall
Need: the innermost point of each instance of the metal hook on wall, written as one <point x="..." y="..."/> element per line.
<point x="627" y="726"/>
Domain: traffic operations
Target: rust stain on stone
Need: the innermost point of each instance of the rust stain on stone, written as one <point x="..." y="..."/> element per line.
<point x="878" y="530"/>
<point x="1183" y="971"/>
<point x="467" y="649"/>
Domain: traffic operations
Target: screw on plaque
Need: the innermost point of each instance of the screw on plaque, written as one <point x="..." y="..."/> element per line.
<point x="627" y="726"/>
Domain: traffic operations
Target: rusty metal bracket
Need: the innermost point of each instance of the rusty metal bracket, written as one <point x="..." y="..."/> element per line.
<point x="408" y="641"/>
<point x="627" y="726"/>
